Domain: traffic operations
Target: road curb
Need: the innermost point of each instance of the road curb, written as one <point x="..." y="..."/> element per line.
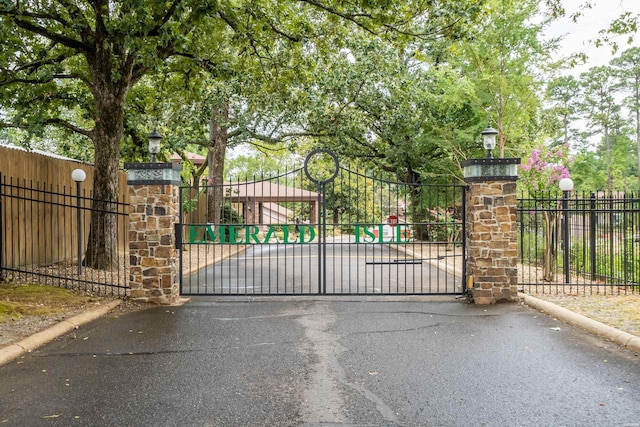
<point x="610" y="333"/>
<point x="17" y="349"/>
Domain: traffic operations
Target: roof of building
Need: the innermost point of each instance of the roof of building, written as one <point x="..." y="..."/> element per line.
<point x="266" y="191"/>
<point x="194" y="158"/>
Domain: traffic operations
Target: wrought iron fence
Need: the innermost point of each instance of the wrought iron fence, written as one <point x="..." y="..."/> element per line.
<point x="579" y="244"/>
<point x="44" y="232"/>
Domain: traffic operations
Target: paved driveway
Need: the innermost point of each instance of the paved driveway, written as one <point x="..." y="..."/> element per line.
<point x="349" y="269"/>
<point x="308" y="361"/>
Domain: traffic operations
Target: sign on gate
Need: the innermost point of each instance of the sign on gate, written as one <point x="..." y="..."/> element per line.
<point x="240" y="234"/>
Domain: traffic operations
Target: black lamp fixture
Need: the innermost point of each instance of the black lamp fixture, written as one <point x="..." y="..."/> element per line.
<point x="154" y="143"/>
<point x="489" y="140"/>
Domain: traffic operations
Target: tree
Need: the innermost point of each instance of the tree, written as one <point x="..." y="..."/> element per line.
<point x="255" y="87"/>
<point x="539" y="176"/>
<point x="601" y="109"/>
<point x="85" y="57"/>
<point x="563" y="93"/>
<point x="628" y="67"/>
<point x="500" y="61"/>
<point x="78" y="61"/>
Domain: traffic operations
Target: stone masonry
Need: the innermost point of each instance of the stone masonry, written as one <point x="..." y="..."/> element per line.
<point x="152" y="246"/>
<point x="492" y="250"/>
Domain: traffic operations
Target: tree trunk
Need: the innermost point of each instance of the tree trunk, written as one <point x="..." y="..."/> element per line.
<point x="549" y="263"/>
<point x="418" y="211"/>
<point x="607" y="144"/>
<point x="215" y="158"/>
<point x="109" y="98"/>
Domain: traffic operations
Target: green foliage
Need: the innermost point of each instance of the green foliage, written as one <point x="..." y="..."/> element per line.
<point x="499" y="62"/>
<point x="563" y="95"/>
<point x="531" y="246"/>
<point x="443" y="224"/>
<point x="621" y="266"/>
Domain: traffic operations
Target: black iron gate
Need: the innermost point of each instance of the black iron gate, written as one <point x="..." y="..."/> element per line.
<point x="322" y="229"/>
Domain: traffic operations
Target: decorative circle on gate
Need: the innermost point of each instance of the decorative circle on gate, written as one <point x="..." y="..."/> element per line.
<point x="321" y="166"/>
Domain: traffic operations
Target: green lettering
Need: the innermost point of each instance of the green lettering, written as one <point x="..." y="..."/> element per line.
<point x="233" y="235"/>
<point x="222" y="234"/>
<point x="368" y="233"/>
<point x="193" y="234"/>
<point x="286" y="235"/>
<point x="403" y="234"/>
<point x="356" y="230"/>
<point x="209" y="232"/>
<point x="303" y="230"/>
<point x="381" y="234"/>
<point x="251" y="232"/>
<point x="268" y="236"/>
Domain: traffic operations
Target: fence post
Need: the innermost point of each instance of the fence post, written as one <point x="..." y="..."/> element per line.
<point x="154" y="199"/>
<point x="2" y="225"/>
<point x="593" y="219"/>
<point x="78" y="175"/>
<point x="566" y="185"/>
<point x="492" y="231"/>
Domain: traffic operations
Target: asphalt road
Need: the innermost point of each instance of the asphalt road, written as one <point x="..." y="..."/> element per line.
<point x="324" y="362"/>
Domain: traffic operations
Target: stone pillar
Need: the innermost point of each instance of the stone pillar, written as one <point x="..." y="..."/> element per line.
<point x="153" y="257"/>
<point x="491" y="229"/>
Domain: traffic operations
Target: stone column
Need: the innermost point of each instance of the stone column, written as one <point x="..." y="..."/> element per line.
<point x="153" y="257"/>
<point x="491" y="228"/>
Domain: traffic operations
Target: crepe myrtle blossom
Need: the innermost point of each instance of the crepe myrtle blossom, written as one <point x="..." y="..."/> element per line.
<point x="544" y="168"/>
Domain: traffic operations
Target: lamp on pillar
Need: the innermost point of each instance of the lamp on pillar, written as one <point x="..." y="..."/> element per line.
<point x="154" y="143"/>
<point x="490" y="168"/>
<point x="489" y="140"/>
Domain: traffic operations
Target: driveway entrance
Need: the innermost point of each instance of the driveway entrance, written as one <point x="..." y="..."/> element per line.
<point x="322" y="229"/>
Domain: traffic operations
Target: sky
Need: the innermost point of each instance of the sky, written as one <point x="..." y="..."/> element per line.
<point x="578" y="37"/>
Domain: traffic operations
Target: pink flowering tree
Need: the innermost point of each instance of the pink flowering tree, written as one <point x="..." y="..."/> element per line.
<point x="543" y="170"/>
<point x="538" y="180"/>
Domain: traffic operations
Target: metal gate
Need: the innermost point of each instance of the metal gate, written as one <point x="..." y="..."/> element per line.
<point x="322" y="229"/>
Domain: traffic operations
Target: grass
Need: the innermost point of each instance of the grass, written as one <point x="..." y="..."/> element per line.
<point x="619" y="311"/>
<point x="18" y="301"/>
